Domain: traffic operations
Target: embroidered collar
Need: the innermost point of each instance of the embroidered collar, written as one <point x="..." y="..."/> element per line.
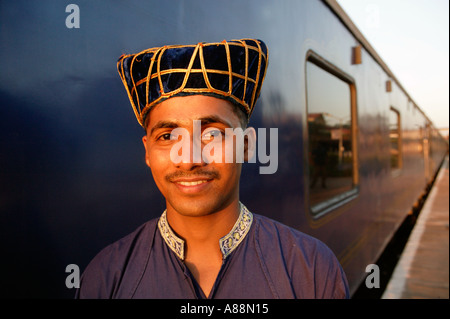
<point x="227" y="244"/>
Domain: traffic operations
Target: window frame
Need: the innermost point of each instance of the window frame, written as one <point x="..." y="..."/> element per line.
<point x="396" y="170"/>
<point x="330" y="205"/>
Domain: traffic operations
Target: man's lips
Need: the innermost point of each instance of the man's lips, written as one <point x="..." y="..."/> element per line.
<point x="192" y="186"/>
<point x="191" y="183"/>
<point x="192" y="178"/>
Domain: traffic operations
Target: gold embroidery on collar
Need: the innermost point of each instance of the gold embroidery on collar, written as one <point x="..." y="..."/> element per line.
<point x="173" y="241"/>
<point x="228" y="243"/>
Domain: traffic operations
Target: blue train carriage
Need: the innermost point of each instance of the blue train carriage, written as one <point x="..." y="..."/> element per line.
<point x="354" y="153"/>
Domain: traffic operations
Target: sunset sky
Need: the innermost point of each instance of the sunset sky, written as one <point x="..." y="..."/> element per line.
<point x="412" y="37"/>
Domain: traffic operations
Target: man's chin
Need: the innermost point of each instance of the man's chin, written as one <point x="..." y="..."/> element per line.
<point x="196" y="207"/>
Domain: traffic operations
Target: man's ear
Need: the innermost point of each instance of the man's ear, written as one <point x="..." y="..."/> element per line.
<point x="147" y="155"/>
<point x="249" y="143"/>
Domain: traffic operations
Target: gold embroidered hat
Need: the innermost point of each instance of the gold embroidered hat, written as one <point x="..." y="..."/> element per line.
<point x="231" y="70"/>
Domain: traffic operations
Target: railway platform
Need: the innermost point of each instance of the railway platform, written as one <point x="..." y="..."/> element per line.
<point x="423" y="269"/>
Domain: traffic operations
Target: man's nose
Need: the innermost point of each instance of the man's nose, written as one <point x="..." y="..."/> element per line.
<point x="191" y="152"/>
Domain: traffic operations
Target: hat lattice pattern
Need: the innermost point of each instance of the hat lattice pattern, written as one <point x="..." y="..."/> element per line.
<point x="233" y="70"/>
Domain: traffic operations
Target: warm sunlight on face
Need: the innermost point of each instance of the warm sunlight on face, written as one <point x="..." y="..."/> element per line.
<point x="192" y="186"/>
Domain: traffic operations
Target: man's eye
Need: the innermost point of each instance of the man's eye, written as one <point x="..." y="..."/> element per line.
<point x="210" y="134"/>
<point x="167" y="137"/>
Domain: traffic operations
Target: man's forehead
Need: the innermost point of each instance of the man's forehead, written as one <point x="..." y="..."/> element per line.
<point x="204" y="120"/>
<point x="182" y="111"/>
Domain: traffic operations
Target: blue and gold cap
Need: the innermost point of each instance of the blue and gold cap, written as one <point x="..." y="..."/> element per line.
<point x="231" y="70"/>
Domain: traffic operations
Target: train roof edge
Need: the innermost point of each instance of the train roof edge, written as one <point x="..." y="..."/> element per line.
<point x="350" y="25"/>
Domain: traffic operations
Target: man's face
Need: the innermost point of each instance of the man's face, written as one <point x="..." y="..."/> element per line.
<point x="192" y="187"/>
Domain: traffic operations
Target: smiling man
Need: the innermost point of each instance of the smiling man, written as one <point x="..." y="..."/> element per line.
<point x="206" y="244"/>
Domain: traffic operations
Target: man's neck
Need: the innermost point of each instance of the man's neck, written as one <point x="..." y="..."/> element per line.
<point x="204" y="231"/>
<point x="201" y="234"/>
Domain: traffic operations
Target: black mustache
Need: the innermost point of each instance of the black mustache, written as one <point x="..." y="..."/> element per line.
<point x="207" y="174"/>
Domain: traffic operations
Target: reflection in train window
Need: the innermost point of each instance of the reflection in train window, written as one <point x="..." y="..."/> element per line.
<point x="395" y="138"/>
<point x="332" y="179"/>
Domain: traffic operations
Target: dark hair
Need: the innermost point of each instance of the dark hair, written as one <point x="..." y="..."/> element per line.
<point x="242" y="116"/>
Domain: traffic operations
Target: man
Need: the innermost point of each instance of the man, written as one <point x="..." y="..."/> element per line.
<point x="206" y="244"/>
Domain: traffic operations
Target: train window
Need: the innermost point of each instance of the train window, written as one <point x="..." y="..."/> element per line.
<point x="331" y="131"/>
<point x="395" y="138"/>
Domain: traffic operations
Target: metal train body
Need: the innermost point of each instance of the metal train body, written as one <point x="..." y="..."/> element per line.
<point x="72" y="162"/>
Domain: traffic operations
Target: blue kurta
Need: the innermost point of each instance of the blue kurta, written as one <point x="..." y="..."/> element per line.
<point x="261" y="259"/>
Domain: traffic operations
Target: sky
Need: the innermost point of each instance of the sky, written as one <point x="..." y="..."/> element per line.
<point x="412" y="38"/>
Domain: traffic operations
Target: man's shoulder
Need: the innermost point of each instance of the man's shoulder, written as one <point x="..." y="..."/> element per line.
<point x="101" y="277"/>
<point x="139" y="236"/>
<point x="312" y="267"/>
<point x="269" y="229"/>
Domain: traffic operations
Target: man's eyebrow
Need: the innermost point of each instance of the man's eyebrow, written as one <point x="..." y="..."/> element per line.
<point x="214" y="119"/>
<point x="163" y="124"/>
<point x="205" y="120"/>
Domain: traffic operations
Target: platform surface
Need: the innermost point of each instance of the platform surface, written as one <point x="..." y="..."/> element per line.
<point x="423" y="269"/>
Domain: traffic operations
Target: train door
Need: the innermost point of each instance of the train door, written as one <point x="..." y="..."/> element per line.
<point x="426" y="152"/>
<point x="395" y="136"/>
